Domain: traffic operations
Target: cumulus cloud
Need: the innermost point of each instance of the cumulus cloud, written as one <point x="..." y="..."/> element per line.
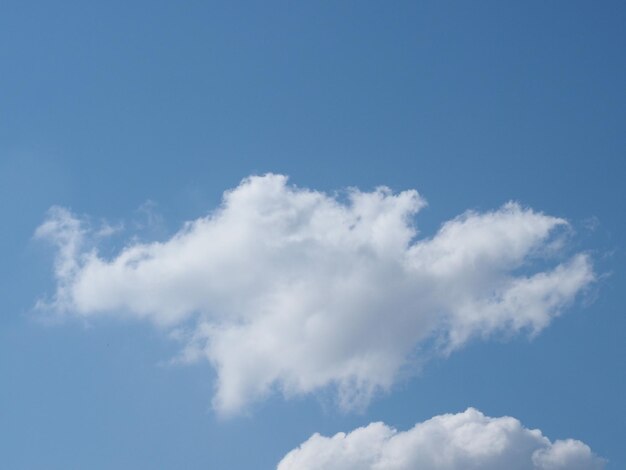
<point x="293" y="290"/>
<point x="463" y="441"/>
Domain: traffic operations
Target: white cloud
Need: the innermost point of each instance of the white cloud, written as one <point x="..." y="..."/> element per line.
<point x="292" y="289"/>
<point x="463" y="441"/>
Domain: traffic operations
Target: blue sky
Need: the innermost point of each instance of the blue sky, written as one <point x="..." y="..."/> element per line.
<point x="141" y="115"/>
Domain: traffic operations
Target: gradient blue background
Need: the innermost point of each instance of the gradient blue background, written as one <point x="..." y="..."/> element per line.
<point x="105" y="105"/>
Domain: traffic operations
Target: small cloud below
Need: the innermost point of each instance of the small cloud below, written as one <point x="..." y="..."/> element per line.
<point x="462" y="441"/>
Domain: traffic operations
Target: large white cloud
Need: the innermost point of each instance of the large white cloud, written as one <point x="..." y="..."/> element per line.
<point x="293" y="289"/>
<point x="463" y="441"/>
